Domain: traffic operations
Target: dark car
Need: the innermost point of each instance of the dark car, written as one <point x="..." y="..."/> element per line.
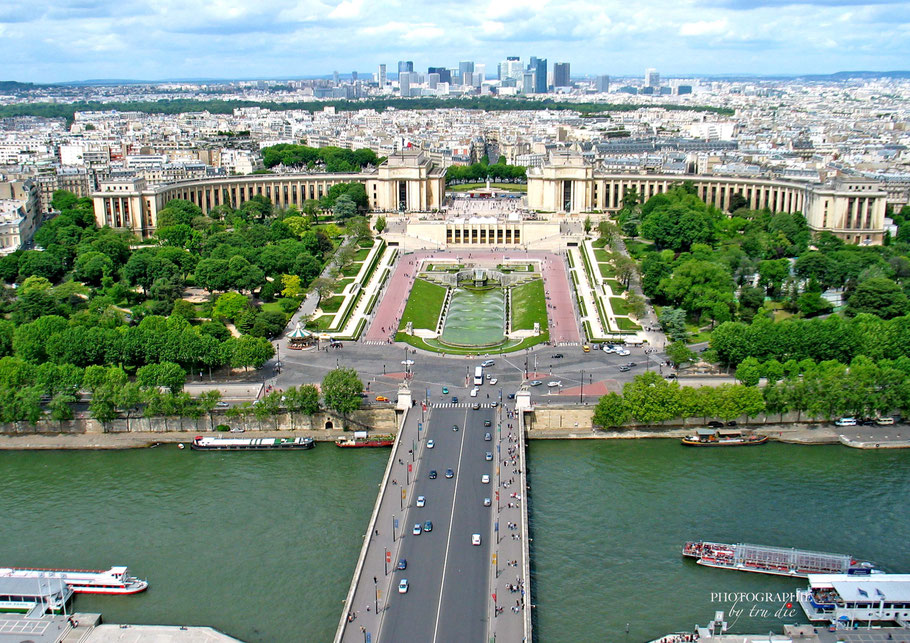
<point x="671" y="376"/>
<point x="867" y="423"/>
<point x="454" y="427"/>
<point x="632" y="364"/>
<point x="558" y="356"/>
<point x="511" y="396"/>
<point x="714" y="424"/>
<point x="625" y="369"/>
<point x="487" y="423"/>
<point x="432" y="474"/>
<point x="454" y="400"/>
<point x="731" y="423"/>
<point x="428" y="526"/>
<point x="402" y="563"/>
<point x="450" y="473"/>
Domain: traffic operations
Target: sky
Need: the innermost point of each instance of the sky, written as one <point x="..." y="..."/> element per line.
<point x="61" y="40"/>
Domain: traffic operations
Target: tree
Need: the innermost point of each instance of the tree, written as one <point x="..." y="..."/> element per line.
<point x="636" y="304"/>
<point x="341" y="390"/>
<point x="212" y="274"/>
<point x="812" y="303"/>
<point x="92" y="266"/>
<point x="165" y="374"/>
<point x="344" y="207"/>
<point x="246" y="351"/>
<point x="228" y="305"/>
<point x="749" y="371"/>
<point x="379" y="226"/>
<point x="651" y="399"/>
<point x="772" y="274"/>
<point x="679" y="353"/>
<point x="291" y="286"/>
<point x="878" y="296"/>
<point x="697" y="285"/>
<point x="588" y="224"/>
<point x="610" y="411"/>
<point x="673" y="322"/>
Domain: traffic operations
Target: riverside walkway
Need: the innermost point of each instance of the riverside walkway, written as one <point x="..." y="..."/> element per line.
<point x="452" y="580"/>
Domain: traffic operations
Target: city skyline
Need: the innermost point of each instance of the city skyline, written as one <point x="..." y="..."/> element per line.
<point x="95" y="39"/>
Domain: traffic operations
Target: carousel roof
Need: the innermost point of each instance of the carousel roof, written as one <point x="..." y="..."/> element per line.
<point x="300" y="333"/>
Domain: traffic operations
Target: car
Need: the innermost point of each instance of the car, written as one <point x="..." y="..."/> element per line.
<point x="474" y="392"/>
<point x="487" y="423"/>
<point x="625" y="369"/>
<point x="558" y="356"/>
<point x="885" y="421"/>
<point x="494" y="404"/>
<point x="487" y="437"/>
<point x="494" y="381"/>
<point x="632" y="364"/>
<point x="487" y="363"/>
<point x="732" y="423"/>
<point x="475" y="539"/>
<point x="403" y="586"/>
<point x="623" y="352"/>
<point x="432" y="474"/>
<point x="486" y="502"/>
<point x="237" y="429"/>
<point x="417" y="530"/>
<point x="846" y="422"/>
<point x="485" y="478"/>
<point x="431" y="444"/>
<point x="714" y="424"/>
<point x="382" y="398"/>
<point x="445" y="390"/>
<point x="670" y="376"/>
<point x="428" y="526"/>
<point x="511" y="396"/>
<point x="489" y="377"/>
<point x="450" y="473"/>
<point x="609" y="349"/>
<point x="421" y="501"/>
<point x="554" y="383"/>
<point x="402" y="563"/>
<point x="476" y="406"/>
<point x="535" y="383"/>
<point x="488" y="456"/>
<point x="586" y="348"/>
<point x="222" y="405"/>
<point x="454" y="427"/>
<point x="867" y="423"/>
<point x="454" y="399"/>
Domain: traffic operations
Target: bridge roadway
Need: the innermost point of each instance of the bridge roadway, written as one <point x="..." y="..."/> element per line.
<point x="450" y="580"/>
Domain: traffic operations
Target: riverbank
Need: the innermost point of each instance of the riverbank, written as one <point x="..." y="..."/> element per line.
<point x="789" y="433"/>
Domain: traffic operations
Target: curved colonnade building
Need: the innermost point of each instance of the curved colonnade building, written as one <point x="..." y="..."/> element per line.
<point x="852" y="209"/>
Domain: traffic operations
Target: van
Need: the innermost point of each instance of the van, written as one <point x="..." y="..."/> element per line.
<point x="474" y="392"/>
<point x="586" y="348"/>
<point x="885" y="421"/>
<point x="846" y="422"/>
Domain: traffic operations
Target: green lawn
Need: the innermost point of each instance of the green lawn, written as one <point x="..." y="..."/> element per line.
<point x="436" y="347"/>
<point x="332" y="304"/>
<point x="638" y="248"/>
<point x="272" y="307"/>
<point x="696" y="334"/>
<point x="625" y="323"/>
<point x="529" y="306"/>
<point x="615" y="286"/>
<point x="424" y="305"/>
<point x="469" y="187"/>
<point x="352" y="269"/>
<point x="601" y="255"/>
<point x="362" y="254"/>
<point x="606" y="270"/>
<point x="619" y="306"/>
<point x="600" y="242"/>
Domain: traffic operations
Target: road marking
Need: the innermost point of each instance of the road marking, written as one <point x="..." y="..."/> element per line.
<point x="451" y="520"/>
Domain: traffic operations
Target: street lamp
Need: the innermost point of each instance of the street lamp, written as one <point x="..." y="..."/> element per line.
<point x="581" y="395"/>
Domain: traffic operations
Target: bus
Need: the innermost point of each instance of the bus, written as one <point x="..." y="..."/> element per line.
<point x="478" y="375"/>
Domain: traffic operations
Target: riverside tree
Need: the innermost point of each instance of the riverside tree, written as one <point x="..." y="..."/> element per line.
<point x="341" y="390"/>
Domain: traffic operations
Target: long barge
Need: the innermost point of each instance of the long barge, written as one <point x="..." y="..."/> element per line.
<point x="201" y="443"/>
<point x="361" y="439"/>
<point x="778" y="561"/>
<point x="115" y="580"/>
<point x="723" y="438"/>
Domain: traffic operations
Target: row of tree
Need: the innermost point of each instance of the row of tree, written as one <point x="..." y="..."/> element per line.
<point x="333" y="159"/>
<point x="498" y="172"/>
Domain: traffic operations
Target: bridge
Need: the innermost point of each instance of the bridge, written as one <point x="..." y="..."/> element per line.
<point x="457" y="589"/>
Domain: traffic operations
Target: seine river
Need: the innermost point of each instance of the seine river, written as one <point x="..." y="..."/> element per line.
<point x="262" y="545"/>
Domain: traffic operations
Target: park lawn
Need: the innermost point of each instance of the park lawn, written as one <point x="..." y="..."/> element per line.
<point x="341" y="283"/>
<point x="696" y="334"/>
<point x="321" y="323"/>
<point x="529" y="306"/>
<point x="601" y="255"/>
<point x="625" y="323"/>
<point x="606" y="270"/>
<point x="272" y="307"/>
<point x="436" y="347"/>
<point x="615" y="286"/>
<point x="362" y="254"/>
<point x="637" y="249"/>
<point x="469" y="187"/>
<point x="352" y="269"/>
<point x="424" y="305"/>
<point x="599" y="242"/>
<point x="619" y="306"/>
<point x="331" y="304"/>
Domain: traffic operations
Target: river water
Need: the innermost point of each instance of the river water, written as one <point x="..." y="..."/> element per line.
<point x="262" y="545"/>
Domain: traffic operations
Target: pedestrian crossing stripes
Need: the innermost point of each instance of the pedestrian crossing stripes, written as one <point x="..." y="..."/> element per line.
<point x="460" y="405"/>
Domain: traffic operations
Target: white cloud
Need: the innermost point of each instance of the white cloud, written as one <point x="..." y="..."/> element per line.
<point x="704" y="28"/>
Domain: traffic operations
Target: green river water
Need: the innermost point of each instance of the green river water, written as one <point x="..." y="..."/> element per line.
<point x="262" y="545"/>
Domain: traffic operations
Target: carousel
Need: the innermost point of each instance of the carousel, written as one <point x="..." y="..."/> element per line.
<point x="300" y="338"/>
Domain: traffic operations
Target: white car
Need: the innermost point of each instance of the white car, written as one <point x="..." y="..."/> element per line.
<point x="237" y="429"/>
<point x="623" y="352"/>
<point x="485" y="478"/>
<point x="222" y="405"/>
<point x="487" y="363"/>
<point x="417" y="530"/>
<point x="554" y="384"/>
<point x="474" y="392"/>
<point x="609" y="349"/>
<point x="846" y="422"/>
<point x="475" y="539"/>
<point x="493" y="381"/>
<point x="885" y="421"/>
<point x="403" y="586"/>
<point x="431" y="444"/>
<point x="421" y="501"/>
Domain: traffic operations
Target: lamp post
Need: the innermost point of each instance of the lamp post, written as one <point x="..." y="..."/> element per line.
<point x="376" y="595"/>
<point x="581" y="395"/>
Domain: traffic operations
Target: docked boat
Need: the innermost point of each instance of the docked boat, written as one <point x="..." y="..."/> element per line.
<point x="33" y="596"/>
<point x="115" y="580"/>
<point x="361" y="439"/>
<point x="845" y="601"/>
<point x="779" y="561"/>
<point x="723" y="438"/>
<point x="201" y="443"/>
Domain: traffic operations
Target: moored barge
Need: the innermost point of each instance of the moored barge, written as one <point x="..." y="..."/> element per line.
<point x="115" y="580"/>
<point x="201" y="443"/>
<point x="723" y="438"/>
<point x="779" y="561"/>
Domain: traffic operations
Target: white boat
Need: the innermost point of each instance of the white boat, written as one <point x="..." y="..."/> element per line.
<point x="115" y="580"/>
<point x="250" y="444"/>
<point x="844" y="600"/>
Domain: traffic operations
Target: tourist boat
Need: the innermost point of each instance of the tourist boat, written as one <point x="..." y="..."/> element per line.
<point x="34" y="596"/>
<point x="779" y="561"/>
<point x="115" y="580"/>
<point x="723" y="438"/>
<point x="250" y="444"/>
<point x="846" y="601"/>
<point x="361" y="439"/>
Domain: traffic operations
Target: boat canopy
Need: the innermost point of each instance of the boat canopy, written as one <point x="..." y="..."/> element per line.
<point x="893" y="588"/>
<point x="706" y="432"/>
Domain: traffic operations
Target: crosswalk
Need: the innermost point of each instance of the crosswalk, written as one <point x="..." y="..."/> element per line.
<point x="460" y="405"/>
